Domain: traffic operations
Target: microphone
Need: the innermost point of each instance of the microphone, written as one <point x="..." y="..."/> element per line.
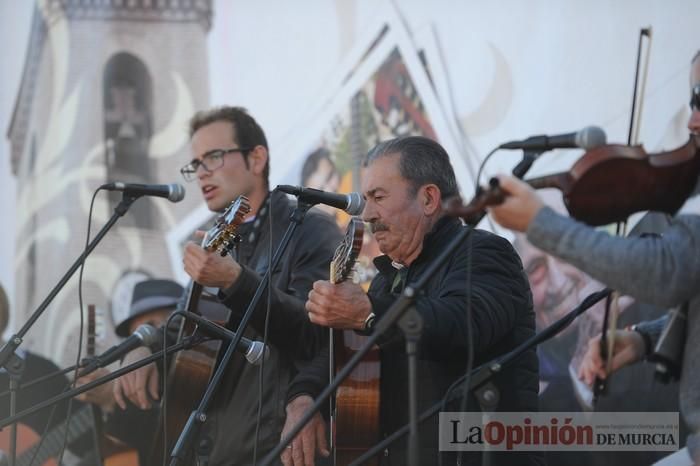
<point x="144" y="335"/>
<point x="174" y="192"/>
<point x="588" y="138"/>
<point x="352" y="203"/>
<point x="254" y="351"/>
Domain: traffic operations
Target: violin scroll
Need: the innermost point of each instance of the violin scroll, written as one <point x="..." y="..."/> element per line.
<point x="475" y="210"/>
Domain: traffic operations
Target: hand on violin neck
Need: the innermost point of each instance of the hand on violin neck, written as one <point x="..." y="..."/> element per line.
<point x="520" y="206"/>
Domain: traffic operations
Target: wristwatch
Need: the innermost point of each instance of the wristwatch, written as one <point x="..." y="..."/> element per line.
<point x="648" y="343"/>
<point x="369" y="322"/>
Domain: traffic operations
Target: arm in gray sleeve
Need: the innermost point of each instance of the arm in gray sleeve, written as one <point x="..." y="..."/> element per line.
<point x="659" y="270"/>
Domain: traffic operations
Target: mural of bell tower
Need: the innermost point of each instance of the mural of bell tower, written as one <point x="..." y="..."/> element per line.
<point x="107" y="89"/>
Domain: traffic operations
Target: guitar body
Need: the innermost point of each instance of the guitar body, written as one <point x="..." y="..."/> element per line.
<point x="188" y="378"/>
<point x="35" y="450"/>
<point x="26" y="439"/>
<point x="356" y="419"/>
<point x="128" y="457"/>
<point x="355" y="415"/>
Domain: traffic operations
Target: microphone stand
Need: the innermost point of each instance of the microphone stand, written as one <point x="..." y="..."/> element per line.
<point x="8" y="355"/>
<point x="393" y="314"/>
<point x="185" y="344"/>
<point x="15" y="368"/>
<point x="15" y="340"/>
<point x="479" y="378"/>
<point x="199" y="416"/>
<point x="411" y="325"/>
<point x="43" y="378"/>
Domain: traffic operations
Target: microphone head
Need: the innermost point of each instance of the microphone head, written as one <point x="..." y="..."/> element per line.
<point x="257" y="352"/>
<point x="176" y="192"/>
<point x="591" y="137"/>
<point x="356" y="204"/>
<point x="147" y="333"/>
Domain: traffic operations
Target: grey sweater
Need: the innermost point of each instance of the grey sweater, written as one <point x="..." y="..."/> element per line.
<point x="658" y="270"/>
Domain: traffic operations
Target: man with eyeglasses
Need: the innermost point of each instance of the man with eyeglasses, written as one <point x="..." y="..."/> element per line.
<point x="663" y="271"/>
<point x="231" y="159"/>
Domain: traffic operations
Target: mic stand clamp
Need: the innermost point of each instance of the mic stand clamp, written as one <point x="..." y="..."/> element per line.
<point x="529" y="157"/>
<point x="411" y="323"/>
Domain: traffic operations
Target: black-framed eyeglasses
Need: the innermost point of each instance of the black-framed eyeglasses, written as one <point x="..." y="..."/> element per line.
<point x="211" y="161"/>
<point x="695" y="98"/>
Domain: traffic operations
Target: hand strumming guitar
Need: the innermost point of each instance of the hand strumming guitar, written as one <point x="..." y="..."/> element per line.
<point x="344" y="305"/>
<point x="209" y="268"/>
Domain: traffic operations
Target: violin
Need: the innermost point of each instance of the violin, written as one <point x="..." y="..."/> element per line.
<point x="607" y="184"/>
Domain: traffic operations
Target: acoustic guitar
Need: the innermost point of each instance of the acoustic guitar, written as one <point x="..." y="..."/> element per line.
<point x="192" y="369"/>
<point x="109" y="450"/>
<point x="33" y="450"/>
<point x="355" y="414"/>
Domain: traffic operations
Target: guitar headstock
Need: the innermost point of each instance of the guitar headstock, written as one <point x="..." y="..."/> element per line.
<point x="346" y="253"/>
<point x="222" y="236"/>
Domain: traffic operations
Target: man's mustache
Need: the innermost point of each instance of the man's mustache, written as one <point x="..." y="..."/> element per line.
<point x="376" y="227"/>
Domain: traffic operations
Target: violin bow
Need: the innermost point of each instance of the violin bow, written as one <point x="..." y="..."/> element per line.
<point x="607" y="340"/>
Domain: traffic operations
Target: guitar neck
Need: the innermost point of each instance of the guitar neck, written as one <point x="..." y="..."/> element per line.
<point x="193" y="297"/>
<point x="51" y="444"/>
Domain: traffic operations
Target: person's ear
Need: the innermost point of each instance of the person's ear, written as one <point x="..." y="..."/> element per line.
<point x="430" y="198"/>
<point x="257" y="160"/>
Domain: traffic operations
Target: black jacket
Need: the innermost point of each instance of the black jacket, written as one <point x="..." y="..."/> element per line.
<point x="232" y="421"/>
<point x="485" y="275"/>
<point x="501" y="318"/>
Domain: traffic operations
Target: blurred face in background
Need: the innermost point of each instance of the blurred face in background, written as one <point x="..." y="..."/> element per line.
<point x="694" y="121"/>
<point x="557" y="286"/>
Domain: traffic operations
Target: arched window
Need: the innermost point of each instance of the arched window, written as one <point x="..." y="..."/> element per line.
<point x="128" y="104"/>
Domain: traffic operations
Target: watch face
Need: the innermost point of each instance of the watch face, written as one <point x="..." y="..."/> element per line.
<point x="369" y="323"/>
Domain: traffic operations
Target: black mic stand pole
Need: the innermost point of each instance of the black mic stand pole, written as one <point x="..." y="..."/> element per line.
<point x="14" y="368"/>
<point x="185" y="344"/>
<point x="15" y="340"/>
<point x="411" y="323"/>
<point x="199" y="416"/>
<point x="479" y="378"/>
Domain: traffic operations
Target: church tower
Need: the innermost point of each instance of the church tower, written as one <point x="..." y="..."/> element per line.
<point x="107" y="89"/>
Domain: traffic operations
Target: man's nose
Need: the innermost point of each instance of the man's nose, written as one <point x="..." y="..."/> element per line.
<point x="694" y="121"/>
<point x="369" y="214"/>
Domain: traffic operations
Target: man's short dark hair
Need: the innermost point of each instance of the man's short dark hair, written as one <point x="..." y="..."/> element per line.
<point x="695" y="57"/>
<point x="312" y="162"/>
<point x="248" y="132"/>
<point x="422" y="161"/>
